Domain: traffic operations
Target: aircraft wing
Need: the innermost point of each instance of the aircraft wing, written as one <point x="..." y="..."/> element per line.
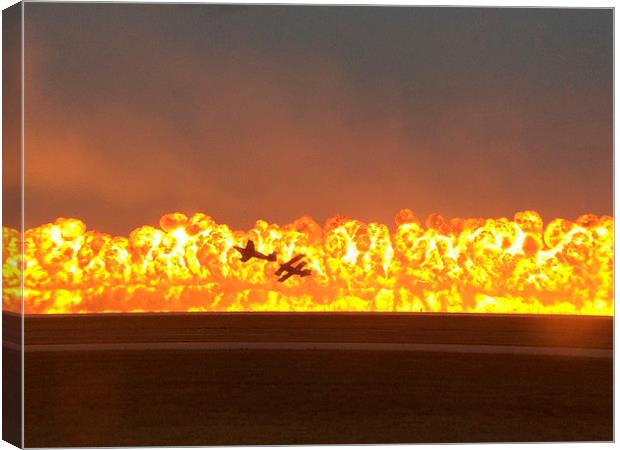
<point x="285" y="277"/>
<point x="293" y="260"/>
<point x="288" y="264"/>
<point x="244" y="253"/>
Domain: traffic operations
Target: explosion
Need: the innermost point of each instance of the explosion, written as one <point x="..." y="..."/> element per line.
<point x="190" y="264"/>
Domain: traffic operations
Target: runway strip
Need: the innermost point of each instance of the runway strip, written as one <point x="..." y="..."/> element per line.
<point x="346" y="346"/>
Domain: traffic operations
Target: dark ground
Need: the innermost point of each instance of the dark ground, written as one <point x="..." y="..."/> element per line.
<point x="205" y="397"/>
<point x="489" y="329"/>
<point x="11" y="396"/>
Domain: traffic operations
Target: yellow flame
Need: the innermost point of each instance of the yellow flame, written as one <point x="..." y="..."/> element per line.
<point x="460" y="265"/>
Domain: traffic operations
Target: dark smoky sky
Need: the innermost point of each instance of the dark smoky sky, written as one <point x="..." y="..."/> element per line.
<point x="246" y="112"/>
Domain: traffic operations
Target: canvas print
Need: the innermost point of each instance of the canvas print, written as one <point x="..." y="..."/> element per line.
<point x="306" y="224"/>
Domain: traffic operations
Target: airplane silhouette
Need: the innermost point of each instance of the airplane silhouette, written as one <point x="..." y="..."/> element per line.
<point x="291" y="270"/>
<point x="249" y="251"/>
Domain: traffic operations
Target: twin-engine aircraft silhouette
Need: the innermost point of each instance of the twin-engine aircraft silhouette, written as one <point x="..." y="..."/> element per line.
<point x="249" y="252"/>
<point x="291" y="270"/>
<point x="285" y="271"/>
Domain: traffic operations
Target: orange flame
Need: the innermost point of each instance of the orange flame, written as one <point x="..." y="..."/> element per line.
<point x="460" y="265"/>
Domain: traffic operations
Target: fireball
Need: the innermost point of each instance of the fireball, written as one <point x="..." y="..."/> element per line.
<point x="467" y="265"/>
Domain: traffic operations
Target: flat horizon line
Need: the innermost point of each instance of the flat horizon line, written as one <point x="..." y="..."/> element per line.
<point x="316" y="313"/>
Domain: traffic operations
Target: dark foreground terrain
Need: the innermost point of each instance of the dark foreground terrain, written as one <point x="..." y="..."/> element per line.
<point x="82" y="391"/>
